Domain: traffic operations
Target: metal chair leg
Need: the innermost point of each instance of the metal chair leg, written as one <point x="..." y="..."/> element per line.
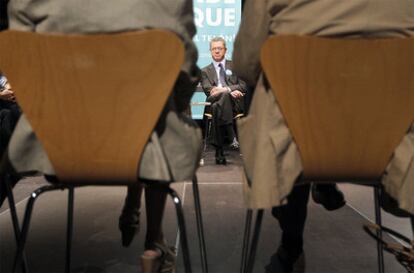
<point x="246" y="240"/>
<point x="200" y="230"/>
<point x="15" y="219"/>
<point x="181" y="225"/>
<point x="26" y="221"/>
<point x="255" y="240"/>
<point x="69" y="229"/>
<point x="380" y="249"/>
<point x="206" y="133"/>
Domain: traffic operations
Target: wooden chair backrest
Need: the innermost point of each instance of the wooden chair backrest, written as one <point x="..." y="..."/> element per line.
<point x="347" y="102"/>
<point x="92" y="100"/>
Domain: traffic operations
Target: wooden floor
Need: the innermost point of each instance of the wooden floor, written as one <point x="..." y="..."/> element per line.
<point x="334" y="241"/>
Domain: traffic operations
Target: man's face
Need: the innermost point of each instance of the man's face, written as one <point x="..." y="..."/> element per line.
<point x="218" y="51"/>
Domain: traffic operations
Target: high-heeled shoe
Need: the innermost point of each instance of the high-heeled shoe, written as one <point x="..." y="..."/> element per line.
<point x="129" y="225"/>
<point x="163" y="263"/>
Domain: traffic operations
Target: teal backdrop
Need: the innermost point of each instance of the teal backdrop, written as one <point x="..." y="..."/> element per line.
<point x="213" y="18"/>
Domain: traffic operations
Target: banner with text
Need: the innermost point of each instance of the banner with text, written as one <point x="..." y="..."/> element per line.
<point x="215" y="18"/>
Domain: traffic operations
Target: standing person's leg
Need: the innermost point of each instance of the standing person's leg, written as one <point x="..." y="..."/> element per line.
<point x="9" y="114"/>
<point x="292" y="219"/>
<point x="129" y="223"/>
<point x="7" y="168"/>
<point x="157" y="257"/>
<point x="155" y="199"/>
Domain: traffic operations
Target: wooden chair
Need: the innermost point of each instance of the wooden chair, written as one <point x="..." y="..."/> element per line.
<point x="93" y="101"/>
<point x="348" y="104"/>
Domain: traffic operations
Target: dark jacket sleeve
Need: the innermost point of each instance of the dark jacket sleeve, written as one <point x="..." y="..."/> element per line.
<point x="206" y="83"/>
<point x="240" y="85"/>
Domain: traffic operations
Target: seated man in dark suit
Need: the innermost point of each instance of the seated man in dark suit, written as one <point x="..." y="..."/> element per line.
<point x="225" y="91"/>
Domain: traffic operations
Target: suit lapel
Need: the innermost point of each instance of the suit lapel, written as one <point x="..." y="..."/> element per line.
<point x="229" y="66"/>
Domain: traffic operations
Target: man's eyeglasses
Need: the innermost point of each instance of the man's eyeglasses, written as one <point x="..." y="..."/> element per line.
<point x="217" y="48"/>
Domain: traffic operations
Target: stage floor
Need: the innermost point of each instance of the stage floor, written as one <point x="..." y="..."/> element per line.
<point x="334" y="241"/>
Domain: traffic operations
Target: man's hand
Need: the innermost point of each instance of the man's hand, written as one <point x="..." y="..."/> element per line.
<point x="236" y="94"/>
<point x="217" y="90"/>
<point x="7" y="94"/>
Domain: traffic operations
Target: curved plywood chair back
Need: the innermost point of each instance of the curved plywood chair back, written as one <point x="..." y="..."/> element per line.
<point x="92" y="100"/>
<point x="348" y="103"/>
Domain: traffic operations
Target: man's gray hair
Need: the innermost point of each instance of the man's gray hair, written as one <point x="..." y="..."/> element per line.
<point x="218" y="39"/>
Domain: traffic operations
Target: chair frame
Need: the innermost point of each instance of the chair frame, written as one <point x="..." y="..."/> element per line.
<point x="122" y="170"/>
<point x="250" y="243"/>
<point x="14" y="218"/>
<point x="285" y="59"/>
<point x="23" y="234"/>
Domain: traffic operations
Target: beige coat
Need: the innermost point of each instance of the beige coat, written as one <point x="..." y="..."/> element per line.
<point x="272" y="161"/>
<point x="181" y="139"/>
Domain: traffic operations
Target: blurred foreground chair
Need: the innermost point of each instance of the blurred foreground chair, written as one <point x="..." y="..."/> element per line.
<point x="348" y="104"/>
<point x="65" y="85"/>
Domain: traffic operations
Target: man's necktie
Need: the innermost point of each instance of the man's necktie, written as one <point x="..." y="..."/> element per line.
<point x="222" y="74"/>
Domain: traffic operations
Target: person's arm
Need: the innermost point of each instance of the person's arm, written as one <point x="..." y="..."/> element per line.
<point x="253" y="32"/>
<point x="240" y="86"/>
<point x="208" y="88"/>
<point x="206" y="84"/>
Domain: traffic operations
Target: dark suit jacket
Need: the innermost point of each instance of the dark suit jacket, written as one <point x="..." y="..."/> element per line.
<point x="209" y="79"/>
<point x="3" y="14"/>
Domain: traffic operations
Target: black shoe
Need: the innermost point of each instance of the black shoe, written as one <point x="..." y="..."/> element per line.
<point x="328" y="195"/>
<point x="129" y="225"/>
<point x="391" y="206"/>
<point x="220" y="158"/>
<point x="283" y="262"/>
<point x="235" y="144"/>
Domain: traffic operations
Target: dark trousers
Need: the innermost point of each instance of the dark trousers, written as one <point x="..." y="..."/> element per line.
<point x="9" y="115"/>
<point x="292" y="218"/>
<point x="223" y="107"/>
